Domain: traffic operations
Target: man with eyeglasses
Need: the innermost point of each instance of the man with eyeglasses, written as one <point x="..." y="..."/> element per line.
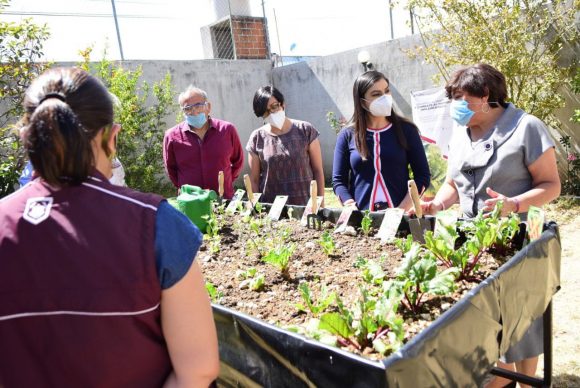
<point x="196" y="150"/>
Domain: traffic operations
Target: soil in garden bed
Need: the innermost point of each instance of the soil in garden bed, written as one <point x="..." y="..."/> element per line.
<point x="276" y="302"/>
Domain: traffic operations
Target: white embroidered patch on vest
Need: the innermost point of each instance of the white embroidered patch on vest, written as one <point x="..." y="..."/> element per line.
<point x="37" y="209"/>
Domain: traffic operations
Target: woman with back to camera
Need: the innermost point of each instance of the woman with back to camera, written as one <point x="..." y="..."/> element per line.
<point x="98" y="282"/>
<point x="503" y="154"/>
<point x="284" y="154"/>
<point x="374" y="151"/>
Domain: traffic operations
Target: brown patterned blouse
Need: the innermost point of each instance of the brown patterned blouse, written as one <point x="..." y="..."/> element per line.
<point x="284" y="162"/>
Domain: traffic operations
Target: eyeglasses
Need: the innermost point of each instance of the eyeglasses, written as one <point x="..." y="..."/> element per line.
<point x="275" y="107"/>
<point x="193" y="108"/>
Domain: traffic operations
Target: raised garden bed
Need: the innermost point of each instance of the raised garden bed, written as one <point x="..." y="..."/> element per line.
<point x="444" y="342"/>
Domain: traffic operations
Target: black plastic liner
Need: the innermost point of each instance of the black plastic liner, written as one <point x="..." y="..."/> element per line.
<point x="457" y="349"/>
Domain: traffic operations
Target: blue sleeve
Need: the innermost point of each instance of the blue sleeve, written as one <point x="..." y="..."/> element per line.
<point x="341" y="167"/>
<point x="177" y="241"/>
<point x="418" y="159"/>
<point x="26" y="174"/>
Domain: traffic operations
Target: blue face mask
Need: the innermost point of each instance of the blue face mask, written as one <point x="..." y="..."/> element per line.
<point x="196" y="121"/>
<point x="460" y="112"/>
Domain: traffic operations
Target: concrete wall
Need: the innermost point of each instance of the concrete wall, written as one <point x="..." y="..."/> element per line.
<point x="311" y="89"/>
<point x="230" y="86"/>
<point x="324" y="84"/>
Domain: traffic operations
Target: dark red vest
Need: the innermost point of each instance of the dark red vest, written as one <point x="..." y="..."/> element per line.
<point x="79" y="291"/>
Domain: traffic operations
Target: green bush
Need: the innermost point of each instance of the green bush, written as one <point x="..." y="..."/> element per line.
<point x="438" y="169"/>
<point x="141" y="113"/>
<point x="571" y="178"/>
<point x="20" y="49"/>
<point x="524" y="39"/>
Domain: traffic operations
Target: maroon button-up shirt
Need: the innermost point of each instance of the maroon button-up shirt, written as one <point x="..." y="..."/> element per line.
<point x="191" y="160"/>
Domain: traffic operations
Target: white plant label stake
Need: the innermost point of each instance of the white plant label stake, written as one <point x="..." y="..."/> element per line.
<point x="390" y="224"/>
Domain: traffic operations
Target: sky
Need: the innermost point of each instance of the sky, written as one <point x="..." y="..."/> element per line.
<point x="170" y="29"/>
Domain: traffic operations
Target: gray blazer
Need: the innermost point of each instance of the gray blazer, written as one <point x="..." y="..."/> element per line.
<point x="499" y="160"/>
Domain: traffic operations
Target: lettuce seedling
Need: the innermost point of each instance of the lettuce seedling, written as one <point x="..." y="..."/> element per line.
<point x="214" y="294"/>
<point x="279" y="256"/>
<point x="251" y="279"/>
<point x="404" y="244"/>
<point x="212" y="233"/>
<point x="366" y="222"/>
<point x="327" y="243"/>
<point x="372" y="272"/>
<point x="324" y="300"/>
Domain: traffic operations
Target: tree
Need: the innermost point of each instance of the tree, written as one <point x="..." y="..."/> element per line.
<point x="524" y="39"/>
<point x="20" y="50"/>
<point x="571" y="181"/>
<point x="141" y="111"/>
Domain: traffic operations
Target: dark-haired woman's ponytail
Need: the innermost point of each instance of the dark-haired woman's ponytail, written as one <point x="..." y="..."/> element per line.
<point x="58" y="146"/>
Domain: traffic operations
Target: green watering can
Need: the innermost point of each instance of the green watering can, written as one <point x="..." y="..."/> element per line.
<point x="195" y="203"/>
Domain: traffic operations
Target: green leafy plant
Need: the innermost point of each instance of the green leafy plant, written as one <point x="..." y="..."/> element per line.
<point x="443" y="245"/>
<point x="279" y="257"/>
<point x="251" y="279"/>
<point x="214" y="294"/>
<point x="571" y="181"/>
<point x="404" y="244"/>
<point x="141" y="113"/>
<point x="317" y="306"/>
<point x="255" y="230"/>
<point x="372" y="322"/>
<point x="311" y="329"/>
<point x="212" y="233"/>
<point x="372" y="272"/>
<point x="523" y="39"/>
<point x="327" y="243"/>
<point x="437" y="168"/>
<point x="366" y="223"/>
<point x="482" y="232"/>
<point x="21" y="48"/>
<point x="417" y="277"/>
<point x="507" y="227"/>
<point x="335" y="124"/>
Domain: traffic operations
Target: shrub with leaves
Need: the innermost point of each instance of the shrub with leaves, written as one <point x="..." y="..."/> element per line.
<point x="571" y="181"/>
<point x="21" y="46"/>
<point x="335" y="124"/>
<point x="142" y="112"/>
<point x="524" y="39"/>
